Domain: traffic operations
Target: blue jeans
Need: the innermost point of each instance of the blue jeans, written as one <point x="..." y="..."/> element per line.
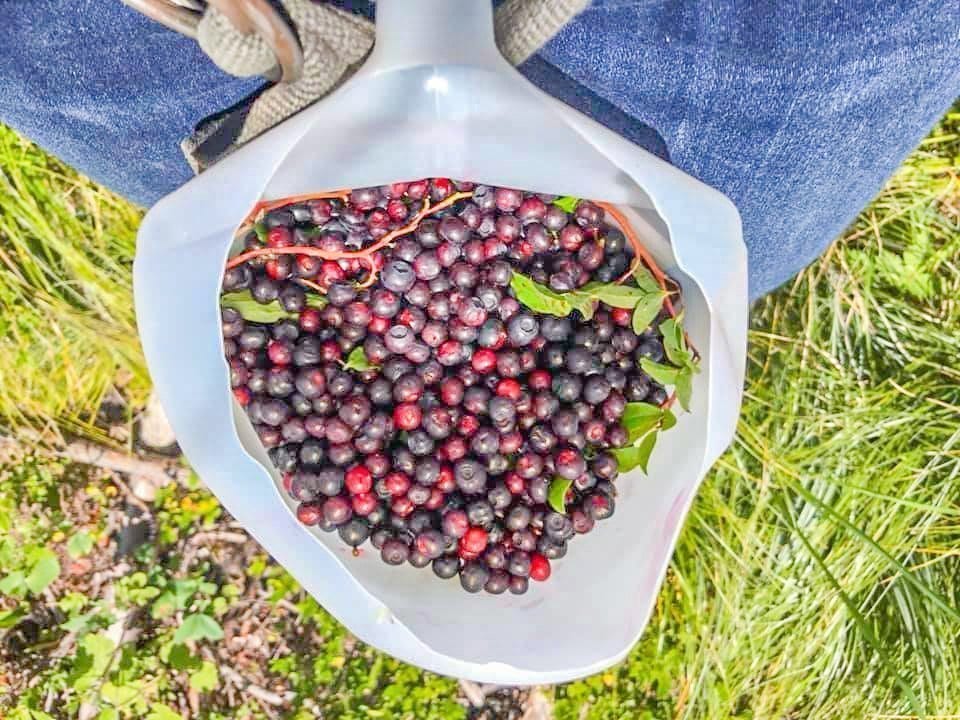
<point x="797" y="111"/>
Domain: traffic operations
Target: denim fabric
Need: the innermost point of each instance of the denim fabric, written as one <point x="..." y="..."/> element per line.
<point x="797" y="111"/>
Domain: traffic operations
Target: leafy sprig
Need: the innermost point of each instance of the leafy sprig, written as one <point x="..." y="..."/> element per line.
<point x="684" y="363"/>
<point x="252" y="311"/>
<point x="646" y="299"/>
<point x="644" y="423"/>
<point x="357" y="360"/>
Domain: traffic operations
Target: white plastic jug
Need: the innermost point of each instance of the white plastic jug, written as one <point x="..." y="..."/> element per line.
<point x="436" y="99"/>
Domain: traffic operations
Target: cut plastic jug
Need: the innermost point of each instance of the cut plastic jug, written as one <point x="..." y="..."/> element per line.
<point x="436" y="99"/>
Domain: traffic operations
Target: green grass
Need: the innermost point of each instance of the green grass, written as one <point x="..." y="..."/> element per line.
<point x="818" y="573"/>
<point x="67" y="331"/>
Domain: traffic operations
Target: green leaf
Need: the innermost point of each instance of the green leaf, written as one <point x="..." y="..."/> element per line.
<point x="123" y="695"/>
<point x="645" y="279"/>
<point x="663" y="374"/>
<point x="9" y="618"/>
<point x="198" y="626"/>
<point x="316" y="301"/>
<point x="80" y="544"/>
<point x="357" y="360"/>
<point x="108" y="713"/>
<point x="646" y="311"/>
<point x="14" y="583"/>
<point x="669" y="420"/>
<point x="205" y="678"/>
<point x="260" y="229"/>
<point x="674" y="343"/>
<point x="46" y="569"/>
<point x="684" y="387"/>
<point x="162" y="712"/>
<point x="98" y="648"/>
<point x="618" y="296"/>
<point x="566" y="203"/>
<point x="557" y="493"/>
<point x="252" y="311"/>
<point x="179" y="657"/>
<point x="638" y="455"/>
<point x="539" y="298"/>
<point x="639" y="418"/>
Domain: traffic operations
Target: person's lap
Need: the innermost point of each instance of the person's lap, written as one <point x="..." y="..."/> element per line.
<point x="797" y="114"/>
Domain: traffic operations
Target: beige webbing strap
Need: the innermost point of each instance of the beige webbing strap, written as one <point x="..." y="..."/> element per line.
<point x="334" y="42"/>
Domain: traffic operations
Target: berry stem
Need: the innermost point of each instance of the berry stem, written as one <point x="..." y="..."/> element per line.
<point x="344" y="255"/>
<point x="265" y="206"/>
<point x="640" y="254"/>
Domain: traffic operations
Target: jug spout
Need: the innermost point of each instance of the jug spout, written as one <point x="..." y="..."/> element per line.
<point x="434" y="32"/>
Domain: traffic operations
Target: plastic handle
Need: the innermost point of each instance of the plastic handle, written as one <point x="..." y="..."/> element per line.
<point x="434" y="32"/>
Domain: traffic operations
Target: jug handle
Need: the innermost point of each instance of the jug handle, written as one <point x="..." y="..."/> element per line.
<point x="412" y="33"/>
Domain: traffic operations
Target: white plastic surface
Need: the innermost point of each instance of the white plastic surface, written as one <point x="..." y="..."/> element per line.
<point x="435" y="98"/>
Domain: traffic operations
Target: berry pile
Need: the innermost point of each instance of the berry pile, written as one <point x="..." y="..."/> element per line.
<point x="409" y="398"/>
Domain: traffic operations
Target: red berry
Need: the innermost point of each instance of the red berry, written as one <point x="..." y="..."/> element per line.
<point x="364" y="503"/>
<point x="277" y="269"/>
<point x="379" y="219"/>
<point x="454" y="449"/>
<point x="515" y="484"/>
<point x="378" y="325"/>
<point x="395" y="190"/>
<point x="397" y="210"/>
<point x="358" y="480"/>
<point x="242" y="395"/>
<point x="402" y="506"/>
<point x="436" y="500"/>
<point x="330" y="351"/>
<point x="330" y="272"/>
<point x="484" y="361"/>
<point x="510" y="443"/>
<point x="397" y="484"/>
<point x="441" y="188"/>
<point x="308" y="266"/>
<point x="539" y="380"/>
<point x="451" y="391"/>
<point x="475" y="541"/>
<point x="279" y="237"/>
<point x="509" y="388"/>
<point x="468" y="425"/>
<point x="287" y="480"/>
<point x="448" y="353"/>
<point x="621" y="316"/>
<point x="539" y="567"/>
<point x="308" y="513"/>
<point x="455" y="523"/>
<point x="407" y="416"/>
<point x="310" y="320"/>
<point x="417" y="190"/>
<point x="279" y="352"/>
<point x="446" y="481"/>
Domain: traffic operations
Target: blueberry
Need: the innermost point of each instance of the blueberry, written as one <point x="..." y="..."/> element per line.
<point x="330" y="481"/>
<point x="518" y="518"/>
<point x="522" y="329"/>
<point x="567" y="387"/>
<point x="446" y="567"/>
<point x="473" y="577"/>
<point x="480" y="513"/>
<point x="518" y="585"/>
<point x="355" y="532"/>
<point x="497" y="583"/>
<point x="394" y="552"/>
<point x="596" y="389"/>
<point x="556" y="329"/>
<point x="519" y="563"/>
<point x="470" y="476"/>
<point x="557" y="527"/>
